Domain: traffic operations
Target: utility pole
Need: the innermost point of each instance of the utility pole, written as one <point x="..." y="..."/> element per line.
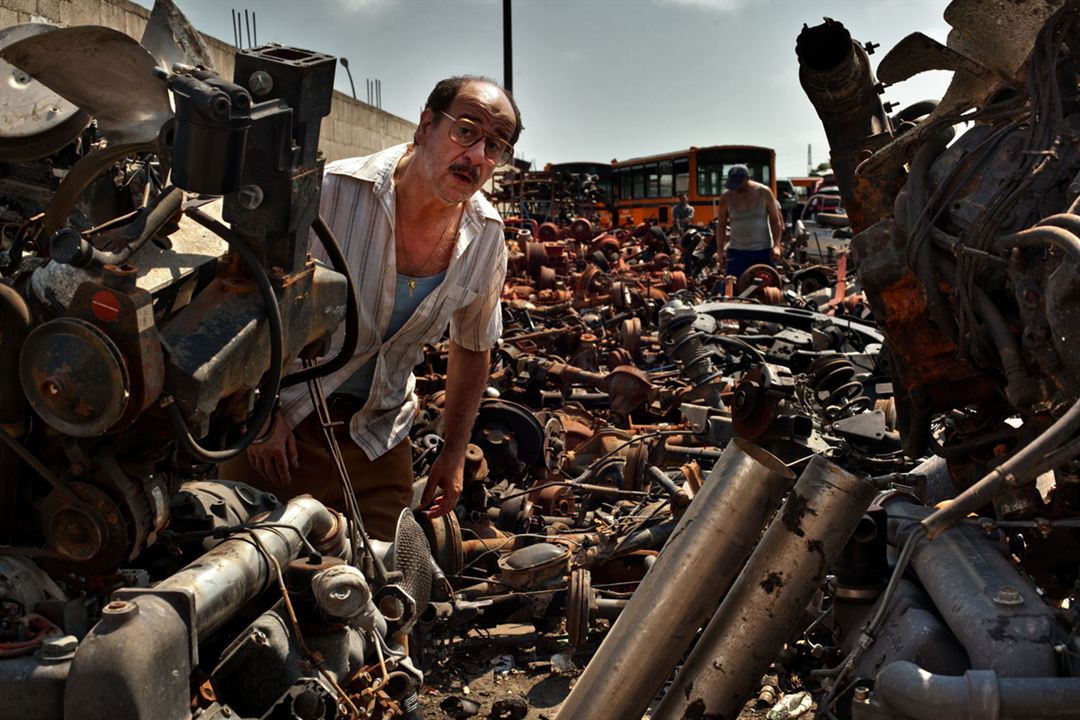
<point x="508" y="48"/>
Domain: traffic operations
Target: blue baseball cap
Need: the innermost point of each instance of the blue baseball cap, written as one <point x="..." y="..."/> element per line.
<point x="737" y="177"/>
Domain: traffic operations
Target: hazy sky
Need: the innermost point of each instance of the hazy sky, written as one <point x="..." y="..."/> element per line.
<point x="600" y="79"/>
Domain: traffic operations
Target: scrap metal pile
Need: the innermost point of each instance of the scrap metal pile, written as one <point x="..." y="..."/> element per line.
<point x="146" y="327"/>
<point x="856" y="479"/>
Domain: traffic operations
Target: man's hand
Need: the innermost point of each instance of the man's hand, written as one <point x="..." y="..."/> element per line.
<point x="776" y="253"/>
<point x="273" y="458"/>
<point x="448" y="475"/>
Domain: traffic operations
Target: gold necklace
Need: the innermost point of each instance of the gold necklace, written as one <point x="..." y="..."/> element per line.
<point x="419" y="268"/>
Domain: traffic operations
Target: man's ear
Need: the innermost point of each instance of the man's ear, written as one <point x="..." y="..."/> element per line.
<point x="427" y="118"/>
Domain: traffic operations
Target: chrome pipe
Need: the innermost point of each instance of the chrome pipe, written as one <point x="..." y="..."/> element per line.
<point x="232" y="574"/>
<point x="695" y="568"/>
<point x="770" y="595"/>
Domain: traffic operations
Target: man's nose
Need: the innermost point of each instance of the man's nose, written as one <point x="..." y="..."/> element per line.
<point x="475" y="153"/>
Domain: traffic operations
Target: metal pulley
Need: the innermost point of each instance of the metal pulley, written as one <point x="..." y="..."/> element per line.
<point x="74" y="377"/>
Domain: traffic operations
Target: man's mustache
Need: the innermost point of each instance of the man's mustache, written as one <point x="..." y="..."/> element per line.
<point x="469" y="170"/>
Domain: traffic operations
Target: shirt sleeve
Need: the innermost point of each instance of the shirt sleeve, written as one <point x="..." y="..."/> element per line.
<point x="478" y="325"/>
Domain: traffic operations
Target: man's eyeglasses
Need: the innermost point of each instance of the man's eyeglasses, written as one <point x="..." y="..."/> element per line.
<point x="466" y="133"/>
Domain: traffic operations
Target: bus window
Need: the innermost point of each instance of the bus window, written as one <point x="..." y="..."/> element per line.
<point x="652" y="181"/>
<point x="665" y="179"/>
<point x="709" y="182"/>
<point x="682" y="175"/>
<point x="639" y="181"/>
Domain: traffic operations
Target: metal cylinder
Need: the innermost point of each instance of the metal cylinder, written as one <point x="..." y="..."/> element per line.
<point x="694" y="570"/>
<point x="228" y="577"/>
<point x="992" y="608"/>
<point x="903" y="689"/>
<point x="770" y="594"/>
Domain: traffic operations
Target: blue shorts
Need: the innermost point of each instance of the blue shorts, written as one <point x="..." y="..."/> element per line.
<point x="739" y="260"/>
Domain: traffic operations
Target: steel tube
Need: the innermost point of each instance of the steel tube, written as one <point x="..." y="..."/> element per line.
<point x="694" y="570"/>
<point x="233" y="573"/>
<point x="770" y="595"/>
<point x="995" y="612"/>
<point x="909" y="691"/>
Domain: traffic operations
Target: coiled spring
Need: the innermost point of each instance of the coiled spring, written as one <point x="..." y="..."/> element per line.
<point x="837" y="392"/>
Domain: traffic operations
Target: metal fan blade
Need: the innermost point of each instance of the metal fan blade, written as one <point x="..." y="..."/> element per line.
<point x="171" y="39"/>
<point x="918" y="53"/>
<point x="998" y="34"/>
<point x="102" y="71"/>
<point x="34" y="120"/>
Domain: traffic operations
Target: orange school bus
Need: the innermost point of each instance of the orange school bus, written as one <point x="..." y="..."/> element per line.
<point x="647" y="187"/>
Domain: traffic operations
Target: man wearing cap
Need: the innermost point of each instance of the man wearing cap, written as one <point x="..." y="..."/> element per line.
<point x="748" y="223"/>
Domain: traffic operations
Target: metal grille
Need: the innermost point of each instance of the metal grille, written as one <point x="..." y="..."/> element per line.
<point x="412" y="557"/>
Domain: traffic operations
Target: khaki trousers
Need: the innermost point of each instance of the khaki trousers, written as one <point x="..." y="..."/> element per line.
<point x="383" y="486"/>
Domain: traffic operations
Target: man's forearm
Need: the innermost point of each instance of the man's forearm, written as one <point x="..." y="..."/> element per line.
<point x="466" y="378"/>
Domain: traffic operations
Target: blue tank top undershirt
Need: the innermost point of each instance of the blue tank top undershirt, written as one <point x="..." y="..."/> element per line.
<point x="359" y="383"/>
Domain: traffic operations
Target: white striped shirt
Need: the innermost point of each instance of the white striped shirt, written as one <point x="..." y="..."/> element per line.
<point x="357" y="203"/>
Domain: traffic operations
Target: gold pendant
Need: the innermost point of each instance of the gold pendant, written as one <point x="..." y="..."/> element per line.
<point x="412" y="285"/>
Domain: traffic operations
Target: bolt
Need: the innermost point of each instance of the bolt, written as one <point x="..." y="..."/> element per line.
<point x="1008" y="596"/>
<point x="862" y="694"/>
<point x="57" y="647"/>
<point x="51" y="388"/>
<point x="260" y="83"/>
<point x="250" y="196"/>
<point x="120" y="608"/>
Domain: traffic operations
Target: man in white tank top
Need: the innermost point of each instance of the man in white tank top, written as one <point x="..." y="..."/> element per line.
<point x="749" y="226"/>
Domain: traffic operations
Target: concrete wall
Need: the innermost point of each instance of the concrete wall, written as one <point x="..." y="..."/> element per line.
<point x="352" y="128"/>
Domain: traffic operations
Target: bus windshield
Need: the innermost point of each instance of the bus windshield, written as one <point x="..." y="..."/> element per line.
<point x="713" y="166"/>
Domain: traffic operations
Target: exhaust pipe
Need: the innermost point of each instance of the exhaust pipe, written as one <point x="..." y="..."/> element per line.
<point x="694" y="570"/>
<point x="770" y="595"/>
<point x="835" y="73"/>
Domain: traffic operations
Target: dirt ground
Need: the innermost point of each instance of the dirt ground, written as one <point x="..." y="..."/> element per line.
<point x="475" y="668"/>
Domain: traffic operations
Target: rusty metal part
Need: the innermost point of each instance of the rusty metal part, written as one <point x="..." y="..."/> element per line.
<point x="704" y="553"/>
<point x="630" y="335"/>
<point x="753" y="407"/>
<point x="834" y="70"/>
<point x="580" y="606"/>
<point x="444" y="537"/>
<point x="771" y="593"/>
<point x="91" y="534"/>
<point x="634" y="471"/>
<point x="628" y="389"/>
<point x="554" y="500"/>
<point x="762" y="275"/>
<point x="535" y="258"/>
<point x="581" y="229"/>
